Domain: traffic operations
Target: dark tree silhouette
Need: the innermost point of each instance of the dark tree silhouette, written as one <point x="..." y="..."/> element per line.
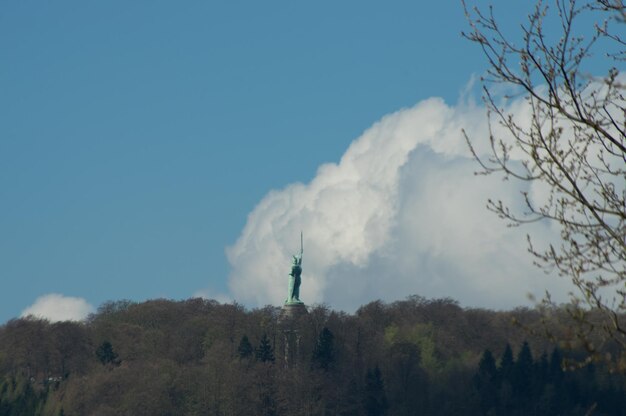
<point x="486" y="382"/>
<point x="324" y="354"/>
<point x="105" y="354"/>
<point x="375" y="396"/>
<point x="265" y="352"/>
<point x="245" y="348"/>
<point x="523" y="371"/>
<point x="507" y="363"/>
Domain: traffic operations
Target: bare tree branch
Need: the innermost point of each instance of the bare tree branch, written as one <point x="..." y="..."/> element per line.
<point x="574" y="146"/>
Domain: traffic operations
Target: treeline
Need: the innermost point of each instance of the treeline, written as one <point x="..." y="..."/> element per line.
<point x="199" y="357"/>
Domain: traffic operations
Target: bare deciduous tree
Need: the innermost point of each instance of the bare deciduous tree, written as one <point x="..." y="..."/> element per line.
<point x="573" y="147"/>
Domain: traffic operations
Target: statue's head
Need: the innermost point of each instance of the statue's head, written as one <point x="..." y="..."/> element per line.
<point x="296" y="260"/>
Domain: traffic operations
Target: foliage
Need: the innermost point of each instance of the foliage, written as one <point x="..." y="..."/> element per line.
<point x="265" y="352"/>
<point x="375" y="397"/>
<point x="323" y="354"/>
<point x="245" y="348"/>
<point x="105" y="354"/>
<point x="371" y="362"/>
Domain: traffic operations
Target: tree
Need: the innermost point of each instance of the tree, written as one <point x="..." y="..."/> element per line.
<point x="555" y="370"/>
<point x="245" y="349"/>
<point x="323" y="354"/>
<point x="375" y="396"/>
<point x="70" y="350"/>
<point x="573" y="148"/>
<point x="507" y="364"/>
<point x="523" y="372"/>
<point x="407" y="383"/>
<point x="487" y="366"/>
<point x="485" y="382"/>
<point x="106" y="355"/>
<point x="265" y="352"/>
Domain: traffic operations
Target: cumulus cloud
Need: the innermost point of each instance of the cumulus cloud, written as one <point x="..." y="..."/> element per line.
<point x="56" y="307"/>
<point x="210" y="294"/>
<point x="401" y="213"/>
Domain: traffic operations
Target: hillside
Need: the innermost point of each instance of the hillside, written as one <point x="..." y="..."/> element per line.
<point x="198" y="357"/>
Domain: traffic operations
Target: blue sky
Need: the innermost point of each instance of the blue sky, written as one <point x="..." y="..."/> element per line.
<point x="137" y="137"/>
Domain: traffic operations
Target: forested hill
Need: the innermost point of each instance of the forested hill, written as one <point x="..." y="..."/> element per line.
<point x="199" y="357"/>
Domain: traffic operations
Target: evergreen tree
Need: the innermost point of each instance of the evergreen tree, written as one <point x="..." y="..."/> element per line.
<point x="323" y="354"/>
<point x="375" y="397"/>
<point x="555" y="371"/>
<point x="245" y="348"/>
<point x="506" y="399"/>
<point x="265" y="352"/>
<point x="506" y="364"/>
<point x="523" y="371"/>
<point x="485" y="381"/>
<point x="487" y="366"/>
<point x="560" y="400"/>
<point x="541" y="369"/>
<point x="106" y="355"/>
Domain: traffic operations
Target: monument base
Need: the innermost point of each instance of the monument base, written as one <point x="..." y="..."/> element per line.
<point x="292" y="311"/>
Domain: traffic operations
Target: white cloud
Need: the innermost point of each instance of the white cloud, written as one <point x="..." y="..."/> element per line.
<point x="210" y="294"/>
<point x="400" y="214"/>
<point x="56" y="307"/>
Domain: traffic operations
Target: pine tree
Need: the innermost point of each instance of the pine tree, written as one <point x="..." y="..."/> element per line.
<point x="485" y="382"/>
<point x="487" y="366"/>
<point x="523" y="371"/>
<point x="106" y="354"/>
<point x="506" y="399"/>
<point x="541" y="369"/>
<point x="323" y="355"/>
<point x="506" y="364"/>
<point x="375" y="397"/>
<point x="265" y="352"/>
<point x="555" y="371"/>
<point x="245" y="348"/>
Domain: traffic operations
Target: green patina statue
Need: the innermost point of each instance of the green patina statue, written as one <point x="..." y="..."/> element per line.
<point x="293" y="296"/>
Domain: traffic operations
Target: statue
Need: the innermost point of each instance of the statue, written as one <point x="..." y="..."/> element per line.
<point x="293" y="296"/>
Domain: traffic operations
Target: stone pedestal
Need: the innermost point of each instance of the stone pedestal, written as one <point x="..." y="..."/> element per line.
<point x="292" y="311"/>
<point x="289" y="323"/>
